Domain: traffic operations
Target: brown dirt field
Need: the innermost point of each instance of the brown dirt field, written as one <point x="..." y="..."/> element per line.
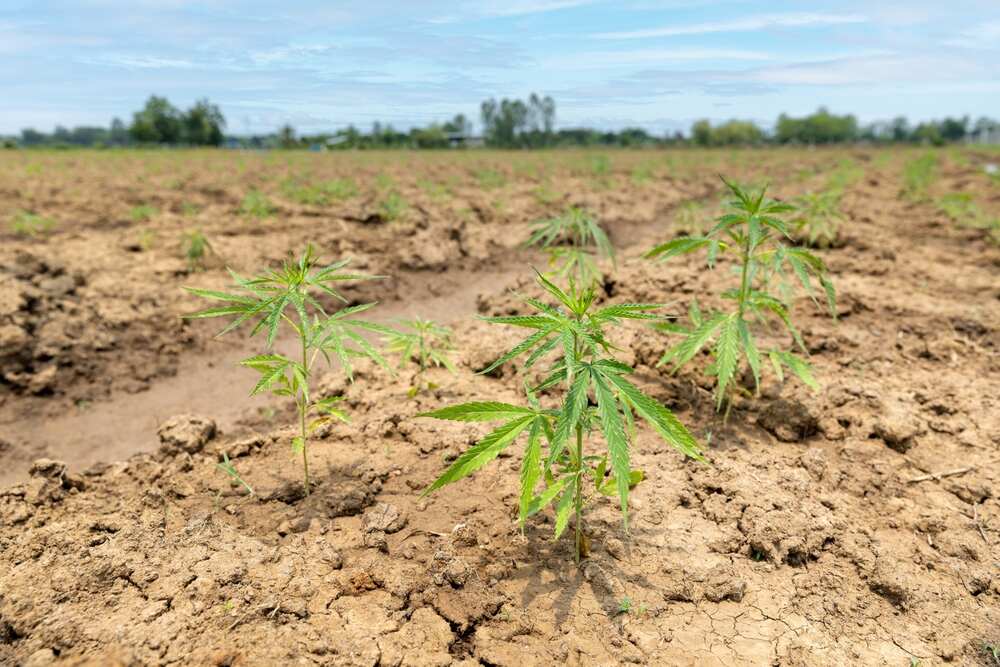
<point x="817" y="535"/>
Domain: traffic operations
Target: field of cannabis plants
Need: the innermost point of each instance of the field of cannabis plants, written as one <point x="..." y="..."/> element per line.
<point x="489" y="408"/>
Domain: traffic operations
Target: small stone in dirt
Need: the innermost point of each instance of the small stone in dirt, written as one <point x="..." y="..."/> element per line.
<point x="724" y="586"/>
<point x="788" y="420"/>
<point x="386" y="518"/>
<point x="48" y="469"/>
<point x="346" y="498"/>
<point x="376" y="539"/>
<point x="888" y="584"/>
<point x="898" y="428"/>
<point x="615" y="548"/>
<point x="185" y="433"/>
<point x="333" y="558"/>
<point x="457" y="572"/>
<point x="464" y="536"/>
<point x="40" y="658"/>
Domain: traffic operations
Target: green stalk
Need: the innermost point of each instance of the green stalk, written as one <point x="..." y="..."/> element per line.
<point x="578" y="493"/>
<point x="578" y="484"/>
<point x="303" y="407"/>
<point x="744" y="276"/>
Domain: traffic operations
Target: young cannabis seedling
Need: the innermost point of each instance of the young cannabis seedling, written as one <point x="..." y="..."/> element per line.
<point x="597" y="396"/>
<point x="490" y="179"/>
<point x="195" y="245"/>
<point x="26" y="223"/>
<point x="227" y="467"/>
<point x="288" y="297"/>
<point x="962" y="209"/>
<point x="918" y="175"/>
<point x="423" y="343"/>
<point x="392" y="206"/>
<point x="256" y="205"/>
<point x="752" y="232"/>
<point x="574" y="241"/>
<point x="818" y="217"/>
<point x="143" y="213"/>
<point x="690" y="219"/>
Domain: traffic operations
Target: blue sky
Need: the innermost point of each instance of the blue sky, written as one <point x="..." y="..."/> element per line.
<point x="660" y="65"/>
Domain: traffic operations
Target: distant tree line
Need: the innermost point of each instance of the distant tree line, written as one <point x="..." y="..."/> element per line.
<point x="505" y="123"/>
<point x="824" y="127"/>
<point x="158" y="123"/>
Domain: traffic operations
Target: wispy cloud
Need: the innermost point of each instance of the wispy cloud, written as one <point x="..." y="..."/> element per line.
<point x="749" y="24"/>
<point x="645" y="57"/>
<point x="130" y="61"/>
<point x="522" y="7"/>
<point x="983" y="36"/>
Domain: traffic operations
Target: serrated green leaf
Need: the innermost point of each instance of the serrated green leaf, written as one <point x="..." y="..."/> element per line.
<point x="479" y="411"/>
<point x="614" y="435"/>
<point x="482" y="452"/>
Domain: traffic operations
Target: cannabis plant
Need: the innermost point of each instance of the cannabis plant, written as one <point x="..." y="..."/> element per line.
<point x="423" y="343"/>
<point x="753" y="233"/>
<point x="26" y="223"/>
<point x="597" y="396"/>
<point x="392" y="206"/>
<point x="288" y="297"/>
<point x="818" y="217"/>
<point x="574" y="241"/>
<point x="918" y="175"/>
<point x="256" y="205"/>
<point x="143" y="213"/>
<point x="690" y="219"/>
<point x="195" y="245"/>
<point x="962" y="209"/>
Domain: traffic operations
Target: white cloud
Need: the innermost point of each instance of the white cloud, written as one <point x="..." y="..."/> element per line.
<point x="138" y="61"/>
<point x="750" y="24"/>
<point x="599" y="59"/>
<point x="521" y="7"/>
<point x="983" y="36"/>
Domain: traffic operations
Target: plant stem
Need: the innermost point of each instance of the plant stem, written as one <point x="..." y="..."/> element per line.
<point x="744" y="276"/>
<point x="578" y="493"/>
<point x="303" y="407"/>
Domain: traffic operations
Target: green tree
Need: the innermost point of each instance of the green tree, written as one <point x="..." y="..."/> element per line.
<point x="159" y="122"/>
<point x="286" y="137"/>
<point x="203" y="124"/>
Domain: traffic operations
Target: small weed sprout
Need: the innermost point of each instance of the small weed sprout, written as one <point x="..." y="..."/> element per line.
<point x="597" y="396"/>
<point x="26" y="223"/>
<point x="918" y="175"/>
<point x="227" y="467"/>
<point x="143" y="213"/>
<point x="568" y="239"/>
<point x="424" y="343"/>
<point x="992" y="650"/>
<point x="195" y="246"/>
<point x="625" y="605"/>
<point x="289" y="296"/>
<point x="752" y="231"/>
<point x="256" y="205"/>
